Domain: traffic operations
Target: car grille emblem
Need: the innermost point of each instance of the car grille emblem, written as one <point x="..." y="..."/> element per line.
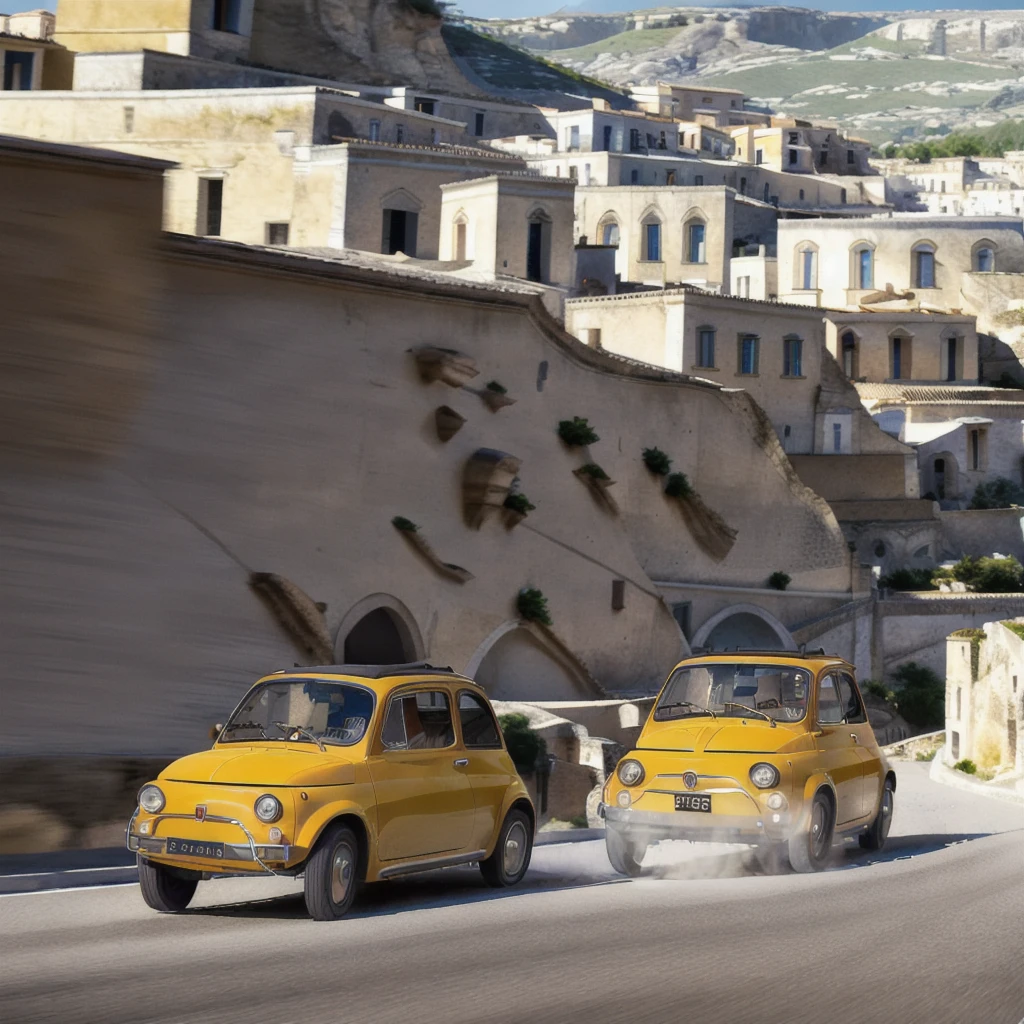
<point x="690" y="780"/>
<point x="201" y="812"/>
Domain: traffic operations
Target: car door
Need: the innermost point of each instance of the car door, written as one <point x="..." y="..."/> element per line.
<point x="839" y="750"/>
<point x="424" y="799"/>
<point x="489" y="767"/>
<point x="867" y="746"/>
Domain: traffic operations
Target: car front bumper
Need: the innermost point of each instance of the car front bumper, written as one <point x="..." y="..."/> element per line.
<point x="652" y="826"/>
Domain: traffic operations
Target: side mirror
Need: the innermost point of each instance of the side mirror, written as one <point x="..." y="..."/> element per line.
<point x="216" y="730"/>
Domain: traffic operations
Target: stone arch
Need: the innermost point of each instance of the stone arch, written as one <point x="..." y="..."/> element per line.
<point x="401" y="199"/>
<point x="379" y="630"/>
<point x="519" y="662"/>
<point x="727" y="628"/>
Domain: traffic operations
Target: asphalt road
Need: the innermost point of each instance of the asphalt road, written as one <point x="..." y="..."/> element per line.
<point x="930" y="931"/>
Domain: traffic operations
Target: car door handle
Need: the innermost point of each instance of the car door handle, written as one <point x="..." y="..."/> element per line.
<point x="853" y="736"/>
<point x="461" y="762"/>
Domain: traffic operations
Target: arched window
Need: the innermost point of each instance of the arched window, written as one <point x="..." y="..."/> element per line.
<point x="608" y="231"/>
<point x="806" y="267"/>
<point x="460" y="232"/>
<point x="984" y="257"/>
<point x="695" y="238"/>
<point x="848" y="353"/>
<point x="538" y="246"/>
<point x="650" y="228"/>
<point x="899" y="355"/>
<point x="862" y="268"/>
<point x="922" y="265"/>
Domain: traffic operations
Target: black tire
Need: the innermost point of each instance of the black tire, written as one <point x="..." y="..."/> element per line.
<point x="771" y="857"/>
<point x="333" y="874"/>
<point x="809" y="847"/>
<point x="165" y="889"/>
<point x="625" y="855"/>
<point x="512" y="852"/>
<point x="874" y="839"/>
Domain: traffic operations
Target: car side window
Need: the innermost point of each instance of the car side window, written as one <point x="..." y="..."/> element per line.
<point x="419" y="721"/>
<point x="830" y="705"/>
<point x="479" y="729"/>
<point x="853" y="709"/>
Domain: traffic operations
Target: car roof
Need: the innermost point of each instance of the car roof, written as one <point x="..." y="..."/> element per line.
<point x="815" y="660"/>
<point x="410" y="672"/>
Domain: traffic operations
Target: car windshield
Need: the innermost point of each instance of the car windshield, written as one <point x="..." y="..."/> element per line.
<point x="772" y="692"/>
<point x="302" y="711"/>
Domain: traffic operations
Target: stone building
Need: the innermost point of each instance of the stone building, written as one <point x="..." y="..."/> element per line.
<point x="800" y="147"/>
<point x="718" y="108"/>
<point x="985" y="697"/>
<point x="29" y="57"/>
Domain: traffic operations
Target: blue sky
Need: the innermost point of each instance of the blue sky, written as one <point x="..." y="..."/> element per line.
<point x="525" y="8"/>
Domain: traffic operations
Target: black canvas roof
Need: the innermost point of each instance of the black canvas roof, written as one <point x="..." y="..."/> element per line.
<point x="414" y="668"/>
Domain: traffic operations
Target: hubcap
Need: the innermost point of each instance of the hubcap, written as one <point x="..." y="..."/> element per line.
<point x="341" y="874"/>
<point x="516" y="841"/>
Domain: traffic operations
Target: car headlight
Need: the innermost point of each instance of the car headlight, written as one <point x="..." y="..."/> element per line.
<point x="268" y="808"/>
<point x="152" y="799"/>
<point x="764" y="776"/>
<point x="631" y="773"/>
<point x="776" y="802"/>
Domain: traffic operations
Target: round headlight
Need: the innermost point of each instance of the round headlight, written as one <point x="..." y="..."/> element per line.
<point x="631" y="773"/>
<point x="151" y="799"/>
<point x="268" y="808"/>
<point x="623" y="799"/>
<point x="764" y="776"/>
<point x="776" y="802"/>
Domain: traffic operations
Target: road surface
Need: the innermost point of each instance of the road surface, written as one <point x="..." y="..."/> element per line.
<point x="932" y="931"/>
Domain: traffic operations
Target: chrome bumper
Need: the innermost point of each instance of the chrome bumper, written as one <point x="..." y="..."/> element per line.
<point x="248" y="851"/>
<point x="695" y="826"/>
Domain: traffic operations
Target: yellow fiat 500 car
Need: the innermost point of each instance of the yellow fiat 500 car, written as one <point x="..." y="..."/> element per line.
<point x="771" y="750"/>
<point x="341" y="774"/>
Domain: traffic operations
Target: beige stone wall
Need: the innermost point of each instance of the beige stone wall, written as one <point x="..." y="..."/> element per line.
<point x="118" y="25"/>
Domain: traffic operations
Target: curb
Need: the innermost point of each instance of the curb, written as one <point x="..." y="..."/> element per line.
<point x="942" y="773"/>
<point x="77" y="878"/>
<point x="575" y="835"/>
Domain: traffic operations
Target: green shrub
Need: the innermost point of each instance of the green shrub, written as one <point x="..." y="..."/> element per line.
<point x="592" y="469"/>
<point x="579" y="821"/>
<point x="925" y="755"/>
<point x="519" y="503"/>
<point x="908" y="579"/>
<point x="577" y="432"/>
<point x="498" y="389"/>
<point x="998" y="493"/>
<point x="403" y="524"/>
<point x="967" y="766"/>
<point x="990" y="575"/>
<point x="779" y="580"/>
<point x="678" y="486"/>
<point x="532" y="606"/>
<point x="657" y="461"/>
<point x="921" y="696"/>
<point x="878" y="689"/>
<point x="525" y="747"/>
<point x="1015" y="627"/>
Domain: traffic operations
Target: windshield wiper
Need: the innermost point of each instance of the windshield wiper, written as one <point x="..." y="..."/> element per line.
<point x="687" y="704"/>
<point x="285" y="727"/>
<point x="753" y="711"/>
<point x="231" y="726"/>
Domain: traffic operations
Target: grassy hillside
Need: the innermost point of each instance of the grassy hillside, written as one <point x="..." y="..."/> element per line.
<point x="993" y="141"/>
<point x="636" y="41"/>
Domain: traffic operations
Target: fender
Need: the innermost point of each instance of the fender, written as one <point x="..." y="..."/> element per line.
<point x="819" y="780"/>
<point x="341" y="800"/>
<point x="517" y="791"/>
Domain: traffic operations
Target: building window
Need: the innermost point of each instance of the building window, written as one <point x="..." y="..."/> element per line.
<point x="923" y="257"/>
<point x="848" y="344"/>
<point x="682" y="613"/>
<point x="794" y="138"/>
<point x="863" y="268"/>
<point x="211" y="206"/>
<point x="706" y="347"/>
<point x="129" y="120"/>
<point x="610" y="233"/>
<point x="461" y="233"/>
<point x="400" y="231"/>
<point x="424" y="106"/>
<point x="375" y="131"/>
<point x="574" y="172"/>
<point x="792" y="357"/>
<point x="842" y="195"/>
<point x="953" y="353"/>
<point x="976" y="449"/>
<point x="743" y="287"/>
<point x="767" y="192"/>
<point x="478" y="124"/>
<point x="808" y="263"/>
<point x="837" y="438"/>
<point x="954" y="743"/>
<point x="959" y="708"/>
<point x="794" y="158"/>
<point x="749" y="346"/>
<point x="400" y="133"/>
<point x="652" y="242"/>
<point x="227" y="16"/>
<point x="899" y="357"/>
<point x="698" y="180"/>
<point x="634" y="177"/>
<point x="801" y="195"/>
<point x="670" y="177"/>
<point x="984" y="259"/>
<point x="606" y="138"/>
<point x="758" y="156"/>
<point x="695" y="233"/>
<point x="572" y="138"/>
<point x="851" y="158"/>
<point x="634" y="140"/>
<point x="18" y="68"/>
<point x="823" y="158"/>
<point x="277" y="234"/>
<point x="538" y="247"/>
<point x="743" y="186"/>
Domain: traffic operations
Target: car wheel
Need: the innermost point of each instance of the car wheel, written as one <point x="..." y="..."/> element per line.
<point x="809" y="847"/>
<point x="332" y="874"/>
<point x="625" y="856"/>
<point x="875" y="837"/>
<point x="771" y="857"/>
<point x="512" y="852"/>
<point x="165" y="889"/>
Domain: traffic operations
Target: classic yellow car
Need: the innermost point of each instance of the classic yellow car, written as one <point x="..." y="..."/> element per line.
<point x="341" y="774"/>
<point x="773" y="750"/>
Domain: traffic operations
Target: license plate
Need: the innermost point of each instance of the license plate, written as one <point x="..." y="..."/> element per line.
<point x="191" y="848"/>
<point x="689" y="802"/>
